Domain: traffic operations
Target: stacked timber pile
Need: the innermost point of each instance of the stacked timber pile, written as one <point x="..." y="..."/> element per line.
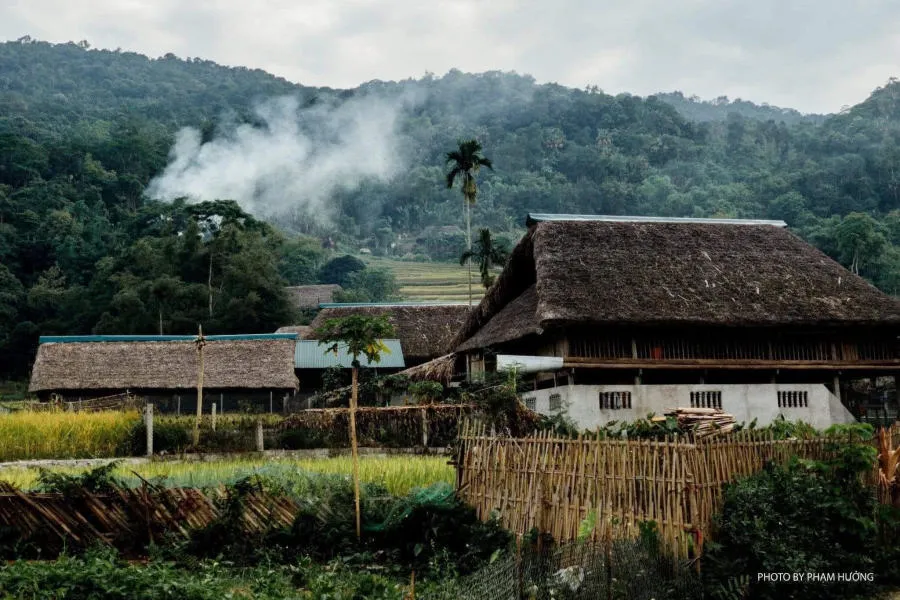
<point x="703" y="422"/>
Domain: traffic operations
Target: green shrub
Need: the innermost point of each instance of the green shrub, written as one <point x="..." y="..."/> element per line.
<point x="168" y="438"/>
<point x="803" y="517"/>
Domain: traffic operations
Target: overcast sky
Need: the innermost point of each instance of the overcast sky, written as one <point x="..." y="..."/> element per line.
<point x="815" y="55"/>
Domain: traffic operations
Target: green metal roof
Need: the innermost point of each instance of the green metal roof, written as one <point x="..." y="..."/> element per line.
<point x="309" y="354"/>
<point x="533" y="218"/>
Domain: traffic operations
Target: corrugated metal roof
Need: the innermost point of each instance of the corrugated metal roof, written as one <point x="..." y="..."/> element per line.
<point x="62" y="339"/>
<point x="309" y="354"/>
<point x="533" y="218"/>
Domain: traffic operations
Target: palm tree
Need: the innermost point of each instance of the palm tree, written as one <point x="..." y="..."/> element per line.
<point x="487" y="254"/>
<point x="466" y="162"/>
<point x="361" y="336"/>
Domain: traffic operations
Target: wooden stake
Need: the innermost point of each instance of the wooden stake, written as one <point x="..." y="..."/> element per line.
<point x="200" y="343"/>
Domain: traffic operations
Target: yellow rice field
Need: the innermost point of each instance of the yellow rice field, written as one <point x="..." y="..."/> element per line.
<point x="399" y="474"/>
<point x="35" y="435"/>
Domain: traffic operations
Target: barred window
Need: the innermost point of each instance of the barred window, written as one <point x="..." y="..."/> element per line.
<point x="709" y="399"/>
<point x="555" y="402"/>
<point x="793" y="399"/>
<point x="530" y="403"/>
<point x="615" y="400"/>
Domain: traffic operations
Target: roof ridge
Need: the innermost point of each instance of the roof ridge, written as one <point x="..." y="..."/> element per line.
<point x="534" y="218"/>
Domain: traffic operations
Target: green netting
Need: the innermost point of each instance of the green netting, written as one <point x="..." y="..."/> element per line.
<point x="437" y="496"/>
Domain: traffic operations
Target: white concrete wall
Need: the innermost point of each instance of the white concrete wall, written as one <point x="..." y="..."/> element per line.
<point x="745" y="402"/>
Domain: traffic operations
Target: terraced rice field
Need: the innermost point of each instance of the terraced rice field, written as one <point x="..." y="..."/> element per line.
<point x="431" y="281"/>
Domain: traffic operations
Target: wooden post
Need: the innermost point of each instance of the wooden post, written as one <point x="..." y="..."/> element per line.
<point x="178" y="404"/>
<point x="425" y="427"/>
<point x="200" y="344"/>
<point x="271" y="393"/>
<point x="213" y="416"/>
<point x="148" y="422"/>
<point x="221" y="403"/>
<point x="260" y="439"/>
<point x="837" y="387"/>
<point x="355" y="450"/>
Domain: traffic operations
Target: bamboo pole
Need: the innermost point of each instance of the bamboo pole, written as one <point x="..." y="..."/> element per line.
<point x="200" y="343"/>
<point x="355" y="449"/>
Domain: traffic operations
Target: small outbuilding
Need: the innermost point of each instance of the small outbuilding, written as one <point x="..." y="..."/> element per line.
<point x="308" y="297"/>
<point x="424" y="330"/>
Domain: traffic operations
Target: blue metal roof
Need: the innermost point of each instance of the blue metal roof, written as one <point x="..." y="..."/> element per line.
<point x="309" y="354"/>
<point x="533" y="218"/>
<point x="63" y="339"/>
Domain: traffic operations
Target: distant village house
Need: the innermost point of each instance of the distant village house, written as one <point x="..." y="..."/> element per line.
<point x="239" y="370"/>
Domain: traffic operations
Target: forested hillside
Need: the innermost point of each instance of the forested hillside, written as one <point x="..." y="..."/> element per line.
<point x="83" y="133"/>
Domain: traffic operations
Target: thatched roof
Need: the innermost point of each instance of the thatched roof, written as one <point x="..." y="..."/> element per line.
<point x="424" y="330"/>
<point x="440" y="369"/>
<point x="306" y="297"/>
<point x="256" y="364"/>
<point x="582" y="271"/>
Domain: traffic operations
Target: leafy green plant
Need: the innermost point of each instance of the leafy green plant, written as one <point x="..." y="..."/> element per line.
<point x="96" y="481"/>
<point x="797" y="518"/>
<point x="426" y="392"/>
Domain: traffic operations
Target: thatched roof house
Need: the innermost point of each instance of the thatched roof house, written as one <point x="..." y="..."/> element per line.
<point x="575" y="271"/>
<point x="424" y="330"/>
<point x="82" y="365"/>
<point x="612" y="318"/>
<point x="308" y="297"/>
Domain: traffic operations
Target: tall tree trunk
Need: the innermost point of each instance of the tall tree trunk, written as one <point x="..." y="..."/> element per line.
<point x="469" y="243"/>
<point x="209" y="283"/>
<point x="200" y="344"/>
<point x="354" y="449"/>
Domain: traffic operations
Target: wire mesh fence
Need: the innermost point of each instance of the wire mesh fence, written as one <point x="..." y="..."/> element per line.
<point x="628" y="569"/>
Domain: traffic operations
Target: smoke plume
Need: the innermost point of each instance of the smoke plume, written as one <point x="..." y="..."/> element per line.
<point x="291" y="161"/>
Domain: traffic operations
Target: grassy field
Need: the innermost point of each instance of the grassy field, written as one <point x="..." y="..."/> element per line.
<point x="431" y="281"/>
<point x="399" y="474"/>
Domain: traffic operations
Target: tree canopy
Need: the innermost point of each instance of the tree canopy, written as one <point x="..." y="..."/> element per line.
<point x="83" y="132"/>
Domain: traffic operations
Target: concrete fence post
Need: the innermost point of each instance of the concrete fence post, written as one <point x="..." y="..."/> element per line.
<point x="271" y="403"/>
<point x="148" y="422"/>
<point x="213" y="416"/>
<point x="222" y="403"/>
<point x="284" y="404"/>
<point x="425" y="427"/>
<point x="260" y="439"/>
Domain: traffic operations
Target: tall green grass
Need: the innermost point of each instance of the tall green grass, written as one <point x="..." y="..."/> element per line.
<point x="26" y="435"/>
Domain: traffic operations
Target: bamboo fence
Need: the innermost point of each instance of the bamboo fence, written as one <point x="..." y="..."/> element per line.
<point x="126" y="517"/>
<point x="555" y="485"/>
<point x="124" y="401"/>
<point x="426" y="425"/>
